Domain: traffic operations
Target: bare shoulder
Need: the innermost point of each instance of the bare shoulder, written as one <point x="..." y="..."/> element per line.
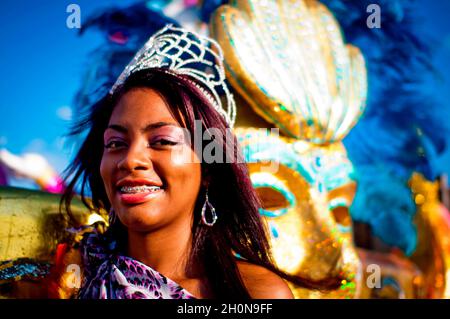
<point x="262" y="283"/>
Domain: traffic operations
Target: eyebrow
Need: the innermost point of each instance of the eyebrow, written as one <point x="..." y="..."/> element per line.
<point x="147" y="128"/>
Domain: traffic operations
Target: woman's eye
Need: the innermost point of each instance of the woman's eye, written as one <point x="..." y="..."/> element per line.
<point x="163" y="142"/>
<point x="114" y="145"/>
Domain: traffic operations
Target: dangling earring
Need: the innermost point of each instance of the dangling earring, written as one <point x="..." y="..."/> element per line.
<point x="211" y="208"/>
<point x="111" y="216"/>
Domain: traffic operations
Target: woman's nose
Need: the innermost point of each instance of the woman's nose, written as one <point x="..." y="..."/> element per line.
<point x="136" y="158"/>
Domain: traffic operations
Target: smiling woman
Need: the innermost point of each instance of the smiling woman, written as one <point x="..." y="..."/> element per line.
<point x="139" y="165"/>
<point x="177" y="225"/>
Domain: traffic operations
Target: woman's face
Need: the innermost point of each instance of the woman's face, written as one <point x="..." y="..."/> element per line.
<point x="147" y="166"/>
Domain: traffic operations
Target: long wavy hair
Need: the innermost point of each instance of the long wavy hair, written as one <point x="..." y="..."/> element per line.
<point x="239" y="228"/>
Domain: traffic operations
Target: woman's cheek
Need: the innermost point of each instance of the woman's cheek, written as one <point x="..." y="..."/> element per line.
<point x="183" y="170"/>
<point x="183" y="155"/>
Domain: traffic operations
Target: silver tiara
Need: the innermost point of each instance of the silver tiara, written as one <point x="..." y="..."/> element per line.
<point x="188" y="53"/>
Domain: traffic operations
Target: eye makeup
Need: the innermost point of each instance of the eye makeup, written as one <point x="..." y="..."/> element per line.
<point x="170" y="134"/>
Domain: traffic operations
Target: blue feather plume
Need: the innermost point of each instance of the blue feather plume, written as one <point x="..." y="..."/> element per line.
<point x="403" y="129"/>
<point x="125" y="30"/>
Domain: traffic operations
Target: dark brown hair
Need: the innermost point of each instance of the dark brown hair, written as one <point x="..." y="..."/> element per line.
<point x="239" y="228"/>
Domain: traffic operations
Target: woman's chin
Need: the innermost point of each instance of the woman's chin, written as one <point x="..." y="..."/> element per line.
<point x="141" y="221"/>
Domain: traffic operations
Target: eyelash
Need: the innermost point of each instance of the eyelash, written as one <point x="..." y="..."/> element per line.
<point x="164" y="142"/>
<point x="110" y="144"/>
<point x="160" y="142"/>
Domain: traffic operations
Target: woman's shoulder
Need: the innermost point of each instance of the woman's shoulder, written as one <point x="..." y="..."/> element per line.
<point x="263" y="283"/>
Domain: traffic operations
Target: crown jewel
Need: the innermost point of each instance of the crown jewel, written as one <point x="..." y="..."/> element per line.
<point x="187" y="53"/>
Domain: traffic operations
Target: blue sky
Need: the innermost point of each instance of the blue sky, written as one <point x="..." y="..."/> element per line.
<point x="41" y="60"/>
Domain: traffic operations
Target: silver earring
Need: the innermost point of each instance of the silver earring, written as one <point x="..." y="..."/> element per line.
<point x="207" y="204"/>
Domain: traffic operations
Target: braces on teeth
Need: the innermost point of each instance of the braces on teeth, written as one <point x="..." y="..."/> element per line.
<point x="138" y="189"/>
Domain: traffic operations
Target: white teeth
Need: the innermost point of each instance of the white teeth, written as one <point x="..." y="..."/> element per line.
<point x="139" y="189"/>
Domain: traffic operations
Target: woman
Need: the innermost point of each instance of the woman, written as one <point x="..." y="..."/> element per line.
<point x="181" y="225"/>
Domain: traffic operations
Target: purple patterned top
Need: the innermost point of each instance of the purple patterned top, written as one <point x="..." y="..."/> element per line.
<point x="110" y="275"/>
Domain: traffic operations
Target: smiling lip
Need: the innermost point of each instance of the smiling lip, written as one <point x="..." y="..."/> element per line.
<point x="140" y="197"/>
<point x="136" y="182"/>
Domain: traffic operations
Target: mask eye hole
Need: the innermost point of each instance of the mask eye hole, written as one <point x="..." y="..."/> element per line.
<point x="272" y="199"/>
<point x="342" y="216"/>
<point x="276" y="198"/>
<point x="339" y="201"/>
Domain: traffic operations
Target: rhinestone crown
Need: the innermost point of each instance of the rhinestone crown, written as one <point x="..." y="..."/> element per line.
<point x="183" y="52"/>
